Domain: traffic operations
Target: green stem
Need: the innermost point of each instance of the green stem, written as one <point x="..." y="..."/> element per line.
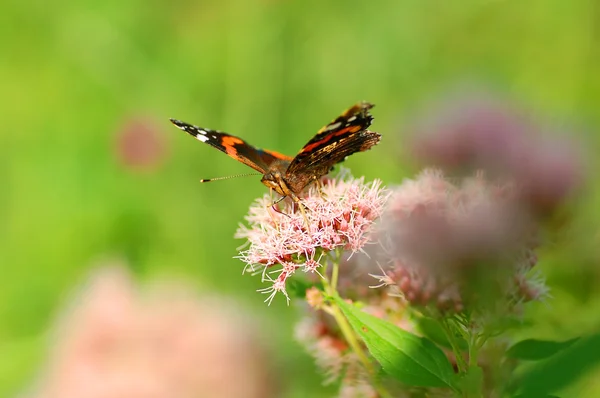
<point x="478" y="342"/>
<point x="473" y="350"/>
<point x="334" y="276"/>
<point x="460" y="361"/>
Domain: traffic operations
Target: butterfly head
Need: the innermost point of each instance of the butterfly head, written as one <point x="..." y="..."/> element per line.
<point x="274" y="180"/>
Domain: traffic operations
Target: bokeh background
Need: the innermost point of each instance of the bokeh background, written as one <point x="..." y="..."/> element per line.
<point x="92" y="171"/>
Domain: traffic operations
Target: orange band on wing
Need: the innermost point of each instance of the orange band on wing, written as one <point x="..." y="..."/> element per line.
<point x="326" y="139"/>
<point x="278" y="155"/>
<point x="229" y="142"/>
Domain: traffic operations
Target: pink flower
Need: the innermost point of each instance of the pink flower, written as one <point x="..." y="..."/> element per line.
<point x="139" y="146"/>
<point x="339" y="216"/>
<point x="322" y="340"/>
<point x="448" y="245"/>
<point x="472" y="131"/>
<point x="116" y="342"/>
<point x="479" y="132"/>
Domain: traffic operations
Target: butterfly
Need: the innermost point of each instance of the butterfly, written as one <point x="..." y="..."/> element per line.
<point x="289" y="176"/>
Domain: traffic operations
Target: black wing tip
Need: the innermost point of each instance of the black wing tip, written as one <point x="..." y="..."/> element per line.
<point x="365" y="107"/>
<point x="188" y="128"/>
<point x="178" y="123"/>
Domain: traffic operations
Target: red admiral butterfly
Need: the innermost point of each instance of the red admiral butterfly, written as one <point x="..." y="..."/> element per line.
<point x="288" y="176"/>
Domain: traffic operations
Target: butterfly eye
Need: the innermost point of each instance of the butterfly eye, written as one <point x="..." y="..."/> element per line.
<point x="269" y="180"/>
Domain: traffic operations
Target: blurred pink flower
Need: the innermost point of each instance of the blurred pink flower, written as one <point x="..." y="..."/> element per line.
<point x="479" y="132"/>
<point x="139" y="145"/>
<point x="446" y="245"/>
<point x="472" y="131"/>
<point x="322" y="340"/>
<point x="553" y="171"/>
<point x="339" y="216"/>
<point x="116" y="342"/>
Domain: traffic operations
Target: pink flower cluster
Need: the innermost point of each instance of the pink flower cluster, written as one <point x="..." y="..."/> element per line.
<point x="339" y="214"/>
<point x="448" y="244"/>
<point x="115" y="342"/>
<point x="456" y="242"/>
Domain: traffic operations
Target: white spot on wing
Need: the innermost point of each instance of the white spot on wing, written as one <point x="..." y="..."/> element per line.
<point x="201" y="136"/>
<point x="333" y="126"/>
<point x="353" y="118"/>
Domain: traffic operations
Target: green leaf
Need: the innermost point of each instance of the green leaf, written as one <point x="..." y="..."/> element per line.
<point x="434" y="331"/>
<point x="413" y="360"/>
<point x="561" y="369"/>
<point x="534" y="350"/>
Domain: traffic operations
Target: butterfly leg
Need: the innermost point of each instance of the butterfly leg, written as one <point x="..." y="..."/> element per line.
<point x="277" y="201"/>
<point x="274" y="207"/>
<point x="319" y="185"/>
<point x="298" y="202"/>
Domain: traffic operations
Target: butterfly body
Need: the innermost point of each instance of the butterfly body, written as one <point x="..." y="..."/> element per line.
<point x="289" y="176"/>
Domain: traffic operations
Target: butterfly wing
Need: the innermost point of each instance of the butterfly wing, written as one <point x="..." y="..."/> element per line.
<point x="355" y="116"/>
<point x="344" y="136"/>
<point x="233" y="146"/>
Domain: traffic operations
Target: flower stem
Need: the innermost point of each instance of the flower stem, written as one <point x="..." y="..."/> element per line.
<point x="334" y="274"/>
<point x="460" y="361"/>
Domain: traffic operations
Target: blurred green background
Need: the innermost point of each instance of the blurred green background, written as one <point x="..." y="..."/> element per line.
<point x="85" y="84"/>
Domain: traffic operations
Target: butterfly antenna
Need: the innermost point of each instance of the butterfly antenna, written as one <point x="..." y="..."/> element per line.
<point x="228" y="177"/>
